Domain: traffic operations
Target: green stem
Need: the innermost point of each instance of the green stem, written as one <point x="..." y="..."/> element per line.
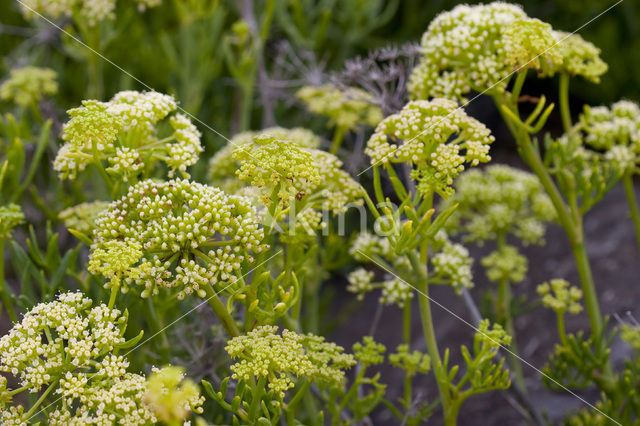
<point x="256" y="398"/>
<point x="426" y="319"/>
<point x="561" y="328"/>
<point x="566" y="218"/>
<point x="338" y="134"/>
<point x="588" y="286"/>
<point x="115" y="288"/>
<point x="35" y="406"/>
<point x="158" y="328"/>
<point x="4" y="295"/>
<point x="406" y="328"/>
<point x="352" y="391"/>
<point x="565" y="112"/>
<point x="221" y="311"/>
<point x="506" y="318"/>
<point x="293" y="404"/>
<point x="627" y="180"/>
<point x="504" y="299"/>
<point x="247" y="105"/>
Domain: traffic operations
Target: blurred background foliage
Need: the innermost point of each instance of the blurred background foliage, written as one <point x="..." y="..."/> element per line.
<point x="231" y="62"/>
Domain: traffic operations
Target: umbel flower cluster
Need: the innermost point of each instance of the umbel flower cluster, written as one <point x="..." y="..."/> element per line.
<point x="479" y="47"/>
<point x="436" y="137"/>
<point x="306" y="174"/>
<point x="67" y="344"/>
<point x="497" y="201"/>
<point x="558" y="295"/>
<point x="123" y="134"/>
<point x="346" y="108"/>
<point x="175" y="234"/>
<point x="614" y="130"/>
<point x="89" y="11"/>
<point x="222" y="166"/>
<point x="26" y="86"/>
<point x="10" y="217"/>
<point x="266" y="355"/>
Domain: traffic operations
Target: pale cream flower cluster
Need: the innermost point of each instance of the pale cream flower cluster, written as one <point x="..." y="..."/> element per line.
<point x="500" y="200"/>
<point x="345" y="108"/>
<point x="91" y="11"/>
<point x="175" y="234"/>
<point x="28" y="85"/>
<point x="68" y="343"/>
<point x="262" y="353"/>
<point x="121" y="135"/>
<point x="222" y="166"/>
<point x="477" y="48"/>
<point x="82" y="217"/>
<point x="437" y="137"/>
<point x="614" y="130"/>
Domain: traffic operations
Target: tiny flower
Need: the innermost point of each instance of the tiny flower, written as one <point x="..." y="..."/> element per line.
<point x="91" y="11"/>
<point x="579" y="57"/>
<point x="360" y="282"/>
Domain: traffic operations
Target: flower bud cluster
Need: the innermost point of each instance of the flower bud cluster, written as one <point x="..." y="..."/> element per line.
<point x="263" y="353"/>
<point x="558" y="295"/>
<point x="437" y="137"/>
<point x="579" y="57"/>
<point x="452" y="263"/>
<point x="69" y="343"/>
<point x="26" y="86"/>
<point x="310" y="176"/>
<point x="615" y="130"/>
<point x="188" y="235"/>
<point x="171" y="396"/>
<point x="505" y="264"/>
<point x="369" y="352"/>
<point x="497" y="201"/>
<point x="10" y="217"/>
<point x="123" y="134"/>
<point x="478" y="47"/>
<point x="90" y="11"/>
<point x="345" y="108"/>
<point x="492" y="337"/>
<point x="631" y="335"/>
<point x="271" y="162"/>
<point x="412" y="362"/>
<point x="531" y="44"/>
<point x="222" y="166"/>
